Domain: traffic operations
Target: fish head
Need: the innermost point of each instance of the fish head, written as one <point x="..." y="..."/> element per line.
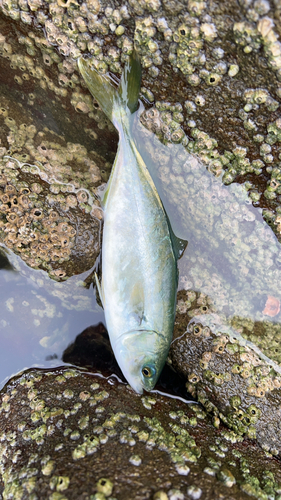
<point x="141" y="355"/>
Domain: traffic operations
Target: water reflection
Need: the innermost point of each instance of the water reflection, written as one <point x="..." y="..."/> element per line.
<point x="40" y="317"/>
<point x="233" y="257"/>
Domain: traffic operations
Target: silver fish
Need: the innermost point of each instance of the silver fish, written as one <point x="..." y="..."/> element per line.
<point x="139" y="249"/>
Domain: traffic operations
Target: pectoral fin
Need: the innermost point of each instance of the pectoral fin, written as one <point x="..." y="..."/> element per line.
<point x="179" y="245"/>
<point x="99" y="289"/>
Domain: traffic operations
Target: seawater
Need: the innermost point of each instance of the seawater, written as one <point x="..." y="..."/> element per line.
<point x="40" y="318"/>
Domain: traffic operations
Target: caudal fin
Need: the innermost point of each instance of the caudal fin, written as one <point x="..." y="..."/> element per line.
<point x="103" y="90"/>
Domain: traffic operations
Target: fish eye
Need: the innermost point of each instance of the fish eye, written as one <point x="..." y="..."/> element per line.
<point x="148" y="371"/>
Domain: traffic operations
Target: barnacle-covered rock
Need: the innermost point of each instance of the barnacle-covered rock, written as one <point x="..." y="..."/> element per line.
<point x="49" y="211"/>
<point x="44" y="223"/>
<point x="227" y="55"/>
<point x="64" y="424"/>
<point x="213" y="72"/>
<point x="229" y="375"/>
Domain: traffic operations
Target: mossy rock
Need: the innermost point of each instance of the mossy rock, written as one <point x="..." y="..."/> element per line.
<point x="61" y="429"/>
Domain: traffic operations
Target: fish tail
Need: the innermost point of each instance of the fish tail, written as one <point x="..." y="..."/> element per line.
<point x="110" y="99"/>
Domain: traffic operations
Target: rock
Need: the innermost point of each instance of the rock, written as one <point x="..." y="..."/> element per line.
<point x="231" y="380"/>
<point x="49" y="231"/>
<point x="211" y="81"/>
<point x="202" y="55"/>
<point x="67" y="434"/>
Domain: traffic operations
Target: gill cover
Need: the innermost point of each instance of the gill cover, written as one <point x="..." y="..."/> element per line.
<point x="141" y="356"/>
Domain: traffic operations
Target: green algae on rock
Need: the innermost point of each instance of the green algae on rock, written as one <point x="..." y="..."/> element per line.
<point x="58" y="426"/>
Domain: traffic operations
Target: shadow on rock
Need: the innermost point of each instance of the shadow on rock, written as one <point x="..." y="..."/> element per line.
<point x="92" y="350"/>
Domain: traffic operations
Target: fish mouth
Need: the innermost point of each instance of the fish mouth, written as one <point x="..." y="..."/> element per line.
<point x="138" y="388"/>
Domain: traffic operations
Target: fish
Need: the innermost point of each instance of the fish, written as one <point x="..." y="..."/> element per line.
<point x="139" y="249"/>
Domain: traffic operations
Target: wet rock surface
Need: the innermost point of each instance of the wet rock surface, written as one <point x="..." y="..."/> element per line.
<point x="61" y="429"/>
<point x="230" y="379"/>
<point x="48" y="231"/>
